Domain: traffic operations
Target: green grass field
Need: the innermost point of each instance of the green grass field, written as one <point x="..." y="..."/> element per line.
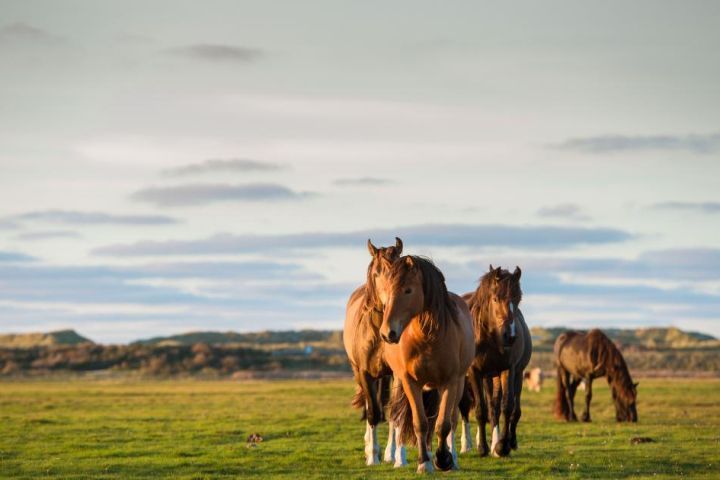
<point x="197" y="429"/>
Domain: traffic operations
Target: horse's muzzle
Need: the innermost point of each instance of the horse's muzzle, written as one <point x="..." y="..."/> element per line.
<point x="391" y="337"/>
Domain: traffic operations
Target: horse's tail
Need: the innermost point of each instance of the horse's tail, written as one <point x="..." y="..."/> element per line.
<point x="561" y="410"/>
<point x="358" y="401"/>
<point x="401" y="413"/>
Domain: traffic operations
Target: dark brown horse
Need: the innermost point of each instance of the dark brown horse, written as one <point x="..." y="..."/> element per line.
<point x="503" y="347"/>
<point x="586" y="356"/>
<point x="364" y="350"/>
<point x="429" y="345"/>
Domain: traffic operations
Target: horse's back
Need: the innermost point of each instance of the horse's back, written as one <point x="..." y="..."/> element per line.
<point x="352" y="317"/>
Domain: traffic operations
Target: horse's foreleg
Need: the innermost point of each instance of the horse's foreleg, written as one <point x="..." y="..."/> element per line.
<point x="517" y="412"/>
<point x="588" y="398"/>
<point x="494" y="406"/>
<point x="448" y="404"/>
<point x="501" y="447"/>
<point x="413" y="391"/>
<point x="481" y="394"/>
<point x="372" y="446"/>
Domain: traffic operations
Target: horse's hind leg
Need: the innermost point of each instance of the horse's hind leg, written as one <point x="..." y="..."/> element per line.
<point x="466" y="401"/>
<point x="395" y="450"/>
<point x="588" y="398"/>
<point x="569" y="397"/>
<point x="572" y="390"/>
<point x="372" y="447"/>
<point x="517" y="412"/>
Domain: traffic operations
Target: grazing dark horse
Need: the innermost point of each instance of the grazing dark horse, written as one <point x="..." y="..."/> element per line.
<point x="586" y="356"/>
<point x="503" y="347"/>
<point x="364" y="350"/>
<point x="429" y="346"/>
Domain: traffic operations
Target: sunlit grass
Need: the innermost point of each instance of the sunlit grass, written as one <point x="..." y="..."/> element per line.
<point x="196" y="429"/>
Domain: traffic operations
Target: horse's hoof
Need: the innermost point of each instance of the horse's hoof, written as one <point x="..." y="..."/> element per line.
<point x="513" y="443"/>
<point x="586" y="418"/>
<point x="425" y="467"/>
<point x="400" y="457"/>
<point x="370" y="461"/>
<point x="501" y="450"/>
<point x="389" y="455"/>
<point x="443" y="460"/>
<point x="483" y="450"/>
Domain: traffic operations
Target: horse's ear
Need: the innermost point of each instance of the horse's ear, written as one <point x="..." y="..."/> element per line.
<point x="372" y="248"/>
<point x="491" y="267"/>
<point x="398" y="246"/>
<point x="517" y="273"/>
<point x="409" y="261"/>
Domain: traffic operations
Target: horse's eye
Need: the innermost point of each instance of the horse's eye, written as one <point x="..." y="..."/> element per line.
<point x="408" y="291"/>
<point x="495" y="299"/>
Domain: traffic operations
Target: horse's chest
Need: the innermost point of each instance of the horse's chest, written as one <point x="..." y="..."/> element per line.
<point x="491" y="361"/>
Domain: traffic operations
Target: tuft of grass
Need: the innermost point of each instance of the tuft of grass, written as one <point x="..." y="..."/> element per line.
<point x="198" y="429"/>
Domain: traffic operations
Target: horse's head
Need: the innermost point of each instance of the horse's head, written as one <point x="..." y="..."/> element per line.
<point x="382" y="260"/>
<point x="505" y="296"/>
<point x="626" y="404"/>
<point x="401" y="291"/>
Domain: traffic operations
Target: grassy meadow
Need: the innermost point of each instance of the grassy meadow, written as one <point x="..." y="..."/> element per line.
<point x="197" y="429"/>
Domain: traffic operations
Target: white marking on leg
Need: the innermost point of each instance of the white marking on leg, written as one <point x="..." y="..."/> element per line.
<point x="400" y="454"/>
<point x="495" y="440"/>
<point x="425" y="467"/>
<point x="466" y="443"/>
<point x="372" y="449"/>
<point x="450" y="440"/>
<point x="390" y="448"/>
<point x="477" y="437"/>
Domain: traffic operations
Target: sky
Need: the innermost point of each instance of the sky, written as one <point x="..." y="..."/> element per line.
<point x="171" y="166"/>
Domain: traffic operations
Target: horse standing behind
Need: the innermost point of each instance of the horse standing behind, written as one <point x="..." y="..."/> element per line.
<point x="364" y="350"/>
<point x="503" y="347"/>
<point x="429" y="346"/>
<point x="586" y="356"/>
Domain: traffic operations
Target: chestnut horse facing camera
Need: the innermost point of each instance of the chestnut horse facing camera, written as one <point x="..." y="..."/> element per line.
<point x="429" y="345"/>
<point x="364" y="350"/>
<point x="503" y="347"/>
<point x="586" y="356"/>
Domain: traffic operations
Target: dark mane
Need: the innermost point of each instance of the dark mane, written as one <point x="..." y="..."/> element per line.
<point x="607" y="355"/>
<point x="507" y="289"/>
<point x="438" y="309"/>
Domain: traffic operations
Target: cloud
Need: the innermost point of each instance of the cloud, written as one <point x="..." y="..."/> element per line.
<point x="23" y="34"/>
<point x="702" y="207"/>
<point x="203" y="194"/>
<point x="47" y="235"/>
<point x="695" y="143"/>
<point x="15" y="257"/>
<point x="222" y="165"/>
<point x="448" y="235"/>
<point x="217" y="53"/>
<point x="362" y="181"/>
<point x="74" y="217"/>
<point x="569" y="211"/>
